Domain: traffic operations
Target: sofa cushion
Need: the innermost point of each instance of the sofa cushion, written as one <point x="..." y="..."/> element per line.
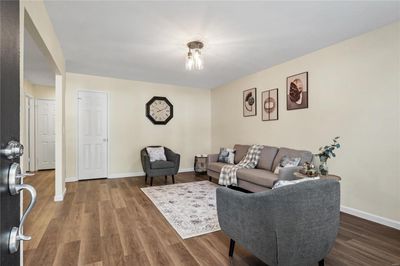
<point x="257" y="176"/>
<point x="226" y="155"/>
<point x="241" y="151"/>
<point x="305" y="156"/>
<point x="216" y="166"/>
<point x="267" y="157"/>
<point x="162" y="164"/>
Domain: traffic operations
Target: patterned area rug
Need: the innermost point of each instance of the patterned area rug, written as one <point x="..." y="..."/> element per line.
<point x="189" y="207"/>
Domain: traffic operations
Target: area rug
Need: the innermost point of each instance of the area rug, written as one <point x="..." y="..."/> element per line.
<point x="190" y="208"/>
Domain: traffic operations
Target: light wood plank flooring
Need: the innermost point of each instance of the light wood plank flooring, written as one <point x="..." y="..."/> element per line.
<point x="111" y="222"/>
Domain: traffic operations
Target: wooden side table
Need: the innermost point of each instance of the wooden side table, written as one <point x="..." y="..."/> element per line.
<point x="200" y="164"/>
<point x="334" y="177"/>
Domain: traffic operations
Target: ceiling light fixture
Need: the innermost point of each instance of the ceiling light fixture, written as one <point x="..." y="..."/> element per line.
<point x="194" y="60"/>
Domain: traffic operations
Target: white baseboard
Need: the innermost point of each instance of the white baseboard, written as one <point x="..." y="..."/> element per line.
<point x="129" y="174"/>
<point x="141" y="173"/>
<point x="60" y="197"/>
<point x="371" y="217"/>
<point x="71" y="179"/>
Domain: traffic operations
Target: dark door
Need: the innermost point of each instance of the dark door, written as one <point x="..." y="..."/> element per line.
<point x="9" y="122"/>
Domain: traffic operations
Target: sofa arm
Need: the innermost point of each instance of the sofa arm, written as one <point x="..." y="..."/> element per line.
<point x="212" y="158"/>
<point x="287" y="173"/>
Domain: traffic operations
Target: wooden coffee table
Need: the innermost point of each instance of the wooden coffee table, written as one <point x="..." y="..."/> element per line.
<point x="334" y="177"/>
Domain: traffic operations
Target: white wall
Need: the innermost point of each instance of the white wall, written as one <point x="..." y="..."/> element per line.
<point x="188" y="133"/>
<point x="353" y="93"/>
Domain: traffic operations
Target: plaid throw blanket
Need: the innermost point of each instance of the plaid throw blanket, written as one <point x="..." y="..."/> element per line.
<point x="228" y="172"/>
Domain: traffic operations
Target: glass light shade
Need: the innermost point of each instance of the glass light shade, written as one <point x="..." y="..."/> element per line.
<point x="189" y="61"/>
<point x="198" y="61"/>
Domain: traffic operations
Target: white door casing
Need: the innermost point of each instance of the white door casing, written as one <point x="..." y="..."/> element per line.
<point x="29" y="134"/>
<point x="45" y="134"/>
<point x="92" y="135"/>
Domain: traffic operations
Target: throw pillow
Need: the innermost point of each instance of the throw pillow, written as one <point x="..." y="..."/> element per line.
<point x="226" y="155"/>
<point x="287" y="161"/>
<point x="282" y="183"/>
<point x="156" y="154"/>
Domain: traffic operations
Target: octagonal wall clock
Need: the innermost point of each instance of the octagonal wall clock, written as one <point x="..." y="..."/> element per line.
<point x="159" y="110"/>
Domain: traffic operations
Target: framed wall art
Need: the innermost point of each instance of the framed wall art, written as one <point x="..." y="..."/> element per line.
<point x="297" y="91"/>
<point x="269" y="105"/>
<point x="250" y="102"/>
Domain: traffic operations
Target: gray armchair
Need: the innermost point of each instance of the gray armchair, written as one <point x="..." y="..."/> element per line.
<point x="291" y="225"/>
<point x="160" y="168"/>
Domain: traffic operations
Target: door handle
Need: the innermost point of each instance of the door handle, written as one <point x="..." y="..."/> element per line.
<point x="15" y="185"/>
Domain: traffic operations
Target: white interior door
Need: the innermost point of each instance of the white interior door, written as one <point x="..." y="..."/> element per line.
<point x="45" y="134"/>
<point x="92" y="135"/>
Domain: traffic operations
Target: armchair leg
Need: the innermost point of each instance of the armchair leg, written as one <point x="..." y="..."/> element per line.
<point x="145" y="179"/>
<point x="151" y="181"/>
<point x="173" y="179"/>
<point x="231" y="247"/>
<point x="321" y="262"/>
<point x="165" y="181"/>
<point x="209" y="178"/>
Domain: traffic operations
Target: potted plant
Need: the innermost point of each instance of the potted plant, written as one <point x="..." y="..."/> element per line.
<point x="325" y="153"/>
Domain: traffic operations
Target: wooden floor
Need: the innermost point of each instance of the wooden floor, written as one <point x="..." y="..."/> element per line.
<point x="111" y="222"/>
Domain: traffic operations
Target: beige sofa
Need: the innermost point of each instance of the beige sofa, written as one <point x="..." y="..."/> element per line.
<point x="262" y="177"/>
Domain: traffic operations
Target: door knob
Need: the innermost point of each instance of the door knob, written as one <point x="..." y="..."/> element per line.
<point x="13" y="150"/>
<point x="15" y="185"/>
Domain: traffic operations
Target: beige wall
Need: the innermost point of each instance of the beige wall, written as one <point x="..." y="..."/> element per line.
<point x="188" y="133"/>
<point x="34" y="18"/>
<point x="353" y="93"/>
<point x="39" y="91"/>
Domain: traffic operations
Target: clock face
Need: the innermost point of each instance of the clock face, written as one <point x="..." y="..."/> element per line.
<point x="159" y="110"/>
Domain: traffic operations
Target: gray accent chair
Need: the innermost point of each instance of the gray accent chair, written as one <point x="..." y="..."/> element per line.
<point x="290" y="225"/>
<point x="160" y="168"/>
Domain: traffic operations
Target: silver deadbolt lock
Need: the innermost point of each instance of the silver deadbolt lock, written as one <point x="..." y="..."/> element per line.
<point x="15" y="185"/>
<point x="13" y="150"/>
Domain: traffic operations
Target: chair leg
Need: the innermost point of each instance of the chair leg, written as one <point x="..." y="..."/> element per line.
<point x="151" y="181"/>
<point x="209" y="178"/>
<point x="231" y="247"/>
<point x="173" y="179"/>
<point x="165" y="181"/>
<point x="321" y="262"/>
<point x="145" y="179"/>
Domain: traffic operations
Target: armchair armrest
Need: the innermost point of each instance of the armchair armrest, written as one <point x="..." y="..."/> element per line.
<point x="287" y="173"/>
<point x="145" y="161"/>
<point x="212" y="158"/>
<point x="248" y="219"/>
<point x="173" y="157"/>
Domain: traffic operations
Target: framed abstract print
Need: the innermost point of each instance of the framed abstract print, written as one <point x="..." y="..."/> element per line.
<point x="269" y="105"/>
<point x="297" y="91"/>
<point x="250" y="102"/>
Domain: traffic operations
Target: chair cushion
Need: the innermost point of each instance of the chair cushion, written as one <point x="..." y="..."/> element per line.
<point x="260" y="177"/>
<point x="267" y="157"/>
<point x="216" y="166"/>
<point x="241" y="151"/>
<point x="161" y="164"/>
<point x="305" y="156"/>
<point x="156" y="154"/>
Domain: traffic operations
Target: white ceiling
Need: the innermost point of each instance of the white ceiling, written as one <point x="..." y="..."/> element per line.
<point x="37" y="68"/>
<point x="147" y="40"/>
